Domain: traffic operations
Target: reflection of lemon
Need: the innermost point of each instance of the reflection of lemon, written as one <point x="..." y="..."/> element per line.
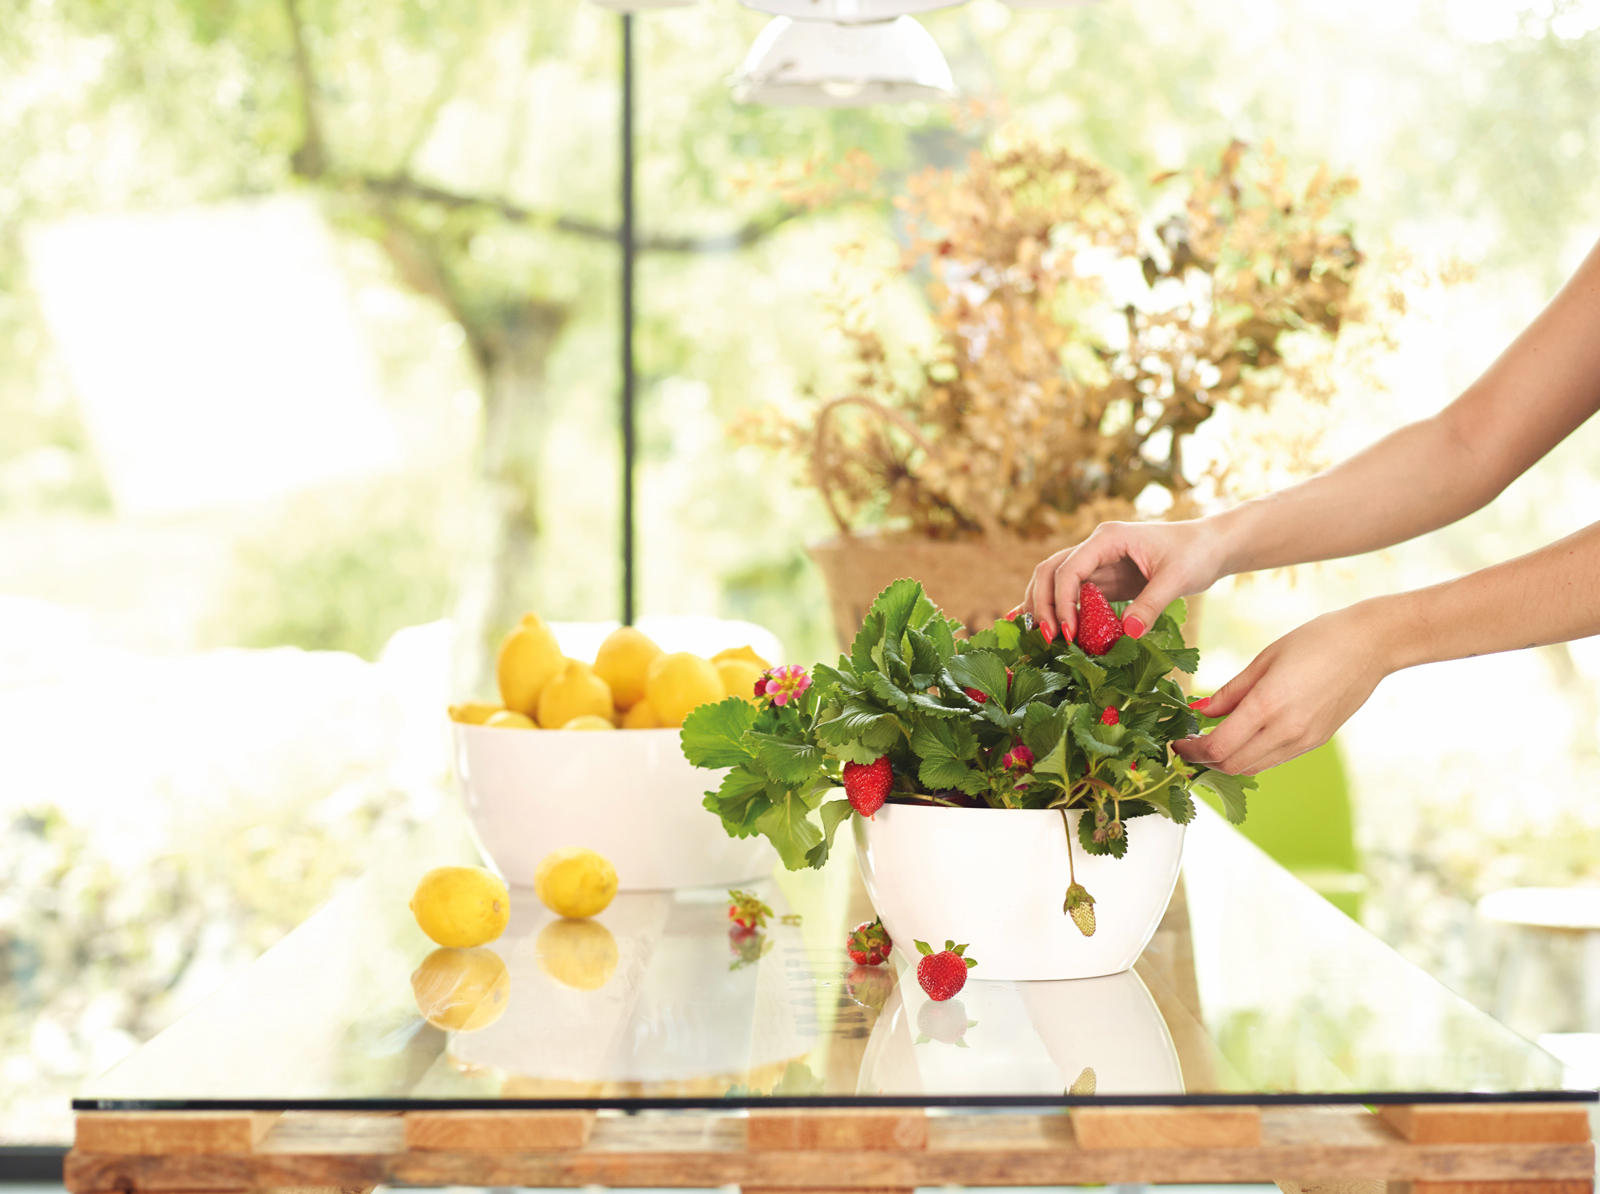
<point x="641" y="717"/>
<point x="746" y="653"/>
<point x="739" y="678"/>
<point x="461" y="989"/>
<point x="678" y="683"/>
<point x="529" y="659"/>
<point x="473" y="713"/>
<point x="622" y="662"/>
<point x="510" y="719"/>
<point x="577" y="953"/>
<point x="576" y="692"/>
<point x="589" y="722"/>
<point x="575" y="881"/>
<point x="461" y="906"/>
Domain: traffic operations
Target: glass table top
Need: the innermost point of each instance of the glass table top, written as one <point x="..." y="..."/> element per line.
<point x="1253" y="990"/>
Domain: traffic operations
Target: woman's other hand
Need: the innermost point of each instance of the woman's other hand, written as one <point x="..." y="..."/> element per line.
<point x="1295" y="694"/>
<point x="1148" y="563"/>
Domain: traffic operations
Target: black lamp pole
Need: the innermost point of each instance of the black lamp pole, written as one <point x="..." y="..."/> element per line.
<point x="627" y="246"/>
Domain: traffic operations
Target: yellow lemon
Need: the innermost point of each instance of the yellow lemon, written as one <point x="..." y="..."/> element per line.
<point x="529" y="660"/>
<point x="507" y="719"/>
<point x="739" y="677"/>
<point x="461" y="906"/>
<point x="746" y="653"/>
<point x="678" y="683"/>
<point x="589" y="722"/>
<point x="575" y="692"/>
<point x="575" y="881"/>
<point x="641" y="717"/>
<point x="622" y="661"/>
<point x="461" y="989"/>
<point x="577" y="953"/>
<point x="473" y="713"/>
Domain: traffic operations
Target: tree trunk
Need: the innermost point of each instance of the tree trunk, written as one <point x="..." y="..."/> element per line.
<point x="500" y="584"/>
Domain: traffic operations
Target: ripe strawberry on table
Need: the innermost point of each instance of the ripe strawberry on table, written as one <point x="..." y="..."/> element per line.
<point x="1098" y="625"/>
<point x="944" y="973"/>
<point x="746" y="910"/>
<point x="866" y="785"/>
<point x="868" y="944"/>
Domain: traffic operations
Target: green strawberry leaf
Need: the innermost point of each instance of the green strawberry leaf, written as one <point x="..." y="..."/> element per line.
<point x="982" y="670"/>
<point x="897" y="604"/>
<point x="1123" y="652"/>
<point x="1185" y="659"/>
<point x="866" y="642"/>
<point x="714" y="735"/>
<point x="1177" y="610"/>
<point x="787" y="762"/>
<point x="853" y="752"/>
<point x="740" y="799"/>
<point x="1007" y="635"/>
<point x="1029" y="684"/>
<point x="1042" y="727"/>
<point x="1230" y="789"/>
<point x="884" y="689"/>
<point x="832" y="812"/>
<point x="1116" y="847"/>
<point x="788" y="826"/>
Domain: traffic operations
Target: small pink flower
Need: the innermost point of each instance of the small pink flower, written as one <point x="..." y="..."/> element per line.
<point x="786" y="683"/>
<point x="1019" y="757"/>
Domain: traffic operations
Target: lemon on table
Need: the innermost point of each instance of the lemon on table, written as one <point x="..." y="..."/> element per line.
<point x="577" y="953"/>
<point x="575" y="881"/>
<point x="461" y="989"/>
<point x="641" y="717"/>
<point x="681" y="682"/>
<point x="589" y="721"/>
<point x="622" y="661"/>
<point x="473" y="713"/>
<point x="529" y="659"/>
<point x="739" y="678"/>
<point x="510" y="719"/>
<point x="575" y="692"/>
<point x="746" y="653"/>
<point x="461" y="906"/>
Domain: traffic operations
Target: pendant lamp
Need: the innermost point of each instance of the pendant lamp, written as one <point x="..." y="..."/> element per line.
<point x="832" y="65"/>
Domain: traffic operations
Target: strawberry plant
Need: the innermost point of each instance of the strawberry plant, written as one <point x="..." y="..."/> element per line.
<point x="1002" y="719"/>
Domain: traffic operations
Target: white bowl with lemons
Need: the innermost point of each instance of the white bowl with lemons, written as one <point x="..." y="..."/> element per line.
<point x="579" y="754"/>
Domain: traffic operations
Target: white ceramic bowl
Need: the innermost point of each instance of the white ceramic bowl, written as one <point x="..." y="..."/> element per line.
<point x="995" y="879"/>
<point x="629" y="794"/>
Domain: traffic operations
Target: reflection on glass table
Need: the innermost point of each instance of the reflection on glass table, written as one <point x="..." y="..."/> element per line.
<point x="1253" y="990"/>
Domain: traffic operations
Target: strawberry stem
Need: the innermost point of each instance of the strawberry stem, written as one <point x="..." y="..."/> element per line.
<point x="1072" y="873"/>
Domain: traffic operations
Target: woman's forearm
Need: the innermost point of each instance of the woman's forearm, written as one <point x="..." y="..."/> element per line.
<point x="1547" y="596"/>
<point x="1432" y="472"/>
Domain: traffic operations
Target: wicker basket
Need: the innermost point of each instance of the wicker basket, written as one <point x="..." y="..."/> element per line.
<point x="975" y="581"/>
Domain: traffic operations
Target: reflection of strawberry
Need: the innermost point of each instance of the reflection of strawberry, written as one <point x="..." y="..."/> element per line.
<point x="944" y="973"/>
<point x="866" y="785"/>
<point x="1098" y="625"/>
<point x="746" y="945"/>
<point x="1084" y="1083"/>
<point x="868" y="944"/>
<point x="746" y="910"/>
<point x="946" y="1023"/>
<point x="870" y="985"/>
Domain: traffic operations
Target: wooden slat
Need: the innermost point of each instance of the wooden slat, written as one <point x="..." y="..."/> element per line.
<point x="1355" y="1186"/>
<point x="1167" y="1127"/>
<point x="1477" y="1123"/>
<point x="171" y="1133"/>
<point x="1568" y="1187"/>
<point x="801" y="1129"/>
<point x="496" y="1131"/>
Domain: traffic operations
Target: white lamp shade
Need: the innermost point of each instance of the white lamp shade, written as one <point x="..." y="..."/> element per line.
<point x="830" y="65"/>
<point x="846" y="11"/>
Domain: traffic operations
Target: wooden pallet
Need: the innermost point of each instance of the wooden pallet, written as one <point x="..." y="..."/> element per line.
<point x="1452" y="1149"/>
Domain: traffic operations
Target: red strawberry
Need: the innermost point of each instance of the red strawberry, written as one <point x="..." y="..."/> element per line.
<point x="1098" y="625"/>
<point x="868" y="944"/>
<point x="944" y="973"/>
<point x="1110" y="717"/>
<point x="867" y="785"/>
<point x="976" y="695"/>
<point x="1020" y="757"/>
<point x="746" y="910"/>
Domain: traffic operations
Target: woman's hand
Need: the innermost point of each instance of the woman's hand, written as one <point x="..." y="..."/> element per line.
<point x="1295" y="694"/>
<point x="1149" y="563"/>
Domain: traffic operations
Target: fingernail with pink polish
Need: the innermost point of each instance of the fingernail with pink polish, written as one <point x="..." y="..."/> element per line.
<point x="1013" y="613"/>
<point x="1132" y="627"/>
<point x="1199" y="702"/>
<point x="1049" y="632"/>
